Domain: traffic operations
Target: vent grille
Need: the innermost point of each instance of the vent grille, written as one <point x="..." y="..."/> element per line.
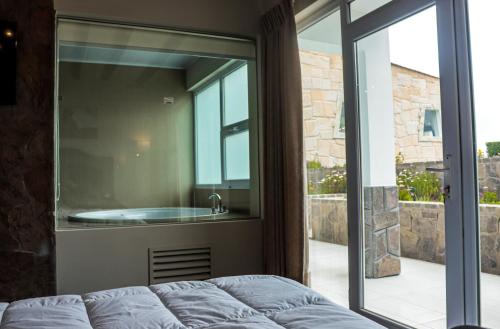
<point x="179" y="264"/>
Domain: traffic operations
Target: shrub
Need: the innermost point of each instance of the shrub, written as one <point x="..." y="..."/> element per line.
<point x="489" y="198"/>
<point x="313" y="164"/>
<point x="493" y="148"/>
<point x="334" y="182"/>
<point x="420" y="186"/>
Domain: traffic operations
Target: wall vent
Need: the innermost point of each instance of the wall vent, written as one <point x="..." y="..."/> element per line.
<point x="179" y="264"/>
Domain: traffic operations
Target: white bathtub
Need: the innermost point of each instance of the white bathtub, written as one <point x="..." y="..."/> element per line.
<point x="142" y="215"/>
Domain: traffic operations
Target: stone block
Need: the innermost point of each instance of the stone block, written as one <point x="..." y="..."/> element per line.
<point x="489" y="224"/>
<point x="380" y="244"/>
<point x="425" y="228"/>
<point x="386" y="219"/>
<point x="393" y="240"/>
<point x="391" y="197"/>
<point x="387" y="266"/>
<point x="426" y="249"/>
<point x="367" y="198"/>
<point x="378" y="199"/>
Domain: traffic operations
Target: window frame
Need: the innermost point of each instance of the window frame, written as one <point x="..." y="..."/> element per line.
<point x="225" y="131"/>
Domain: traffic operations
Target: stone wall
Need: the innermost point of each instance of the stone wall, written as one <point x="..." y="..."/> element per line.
<point x="27" y="246"/>
<point x="322" y="92"/>
<point x="421" y="225"/>
<point x="382" y="242"/>
<point x="489" y="174"/>
<point x="322" y="97"/>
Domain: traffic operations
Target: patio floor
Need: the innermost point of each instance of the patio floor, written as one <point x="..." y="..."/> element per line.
<point x="415" y="297"/>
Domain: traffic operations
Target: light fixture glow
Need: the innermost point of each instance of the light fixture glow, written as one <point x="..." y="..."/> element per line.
<point x="8" y="33"/>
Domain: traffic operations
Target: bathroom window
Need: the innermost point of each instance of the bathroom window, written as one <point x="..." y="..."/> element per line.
<point x="222" y="130"/>
<point x="152" y="125"/>
<point x="431" y="126"/>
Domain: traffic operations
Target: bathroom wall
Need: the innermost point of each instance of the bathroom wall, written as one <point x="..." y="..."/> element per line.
<point x="96" y="259"/>
<point x="27" y="266"/>
<point x="120" y="145"/>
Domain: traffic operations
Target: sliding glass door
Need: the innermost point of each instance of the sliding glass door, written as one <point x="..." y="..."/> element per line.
<point x="412" y="194"/>
<point x="485" y="71"/>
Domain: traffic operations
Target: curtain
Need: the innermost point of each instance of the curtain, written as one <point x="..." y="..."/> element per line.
<point x="285" y="243"/>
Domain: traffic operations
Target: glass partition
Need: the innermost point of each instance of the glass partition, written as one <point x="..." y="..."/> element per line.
<point x="154" y="126"/>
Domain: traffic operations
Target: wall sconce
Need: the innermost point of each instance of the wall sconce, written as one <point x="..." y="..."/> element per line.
<point x="8" y="62"/>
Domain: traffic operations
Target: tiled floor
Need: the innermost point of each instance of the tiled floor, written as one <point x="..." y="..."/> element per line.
<point x="415" y="297"/>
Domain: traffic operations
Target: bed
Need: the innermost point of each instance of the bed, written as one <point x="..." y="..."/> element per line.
<point x="257" y="301"/>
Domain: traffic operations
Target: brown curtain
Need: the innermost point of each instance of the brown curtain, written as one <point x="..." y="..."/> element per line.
<point x="285" y="248"/>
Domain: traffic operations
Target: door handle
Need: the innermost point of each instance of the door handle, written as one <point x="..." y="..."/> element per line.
<point x="446" y="190"/>
<point x="431" y="169"/>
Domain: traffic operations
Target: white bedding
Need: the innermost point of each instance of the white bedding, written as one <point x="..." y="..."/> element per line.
<point x="253" y="302"/>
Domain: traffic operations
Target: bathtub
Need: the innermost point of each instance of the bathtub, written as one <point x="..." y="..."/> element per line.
<point x="143" y="215"/>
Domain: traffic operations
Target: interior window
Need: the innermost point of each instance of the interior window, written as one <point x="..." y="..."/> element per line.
<point x="226" y="147"/>
<point x="207" y="131"/>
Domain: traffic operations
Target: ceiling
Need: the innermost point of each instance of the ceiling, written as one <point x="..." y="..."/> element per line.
<point x="70" y="52"/>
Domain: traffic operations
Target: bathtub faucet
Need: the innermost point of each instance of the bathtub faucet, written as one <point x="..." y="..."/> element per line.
<point x="219" y="208"/>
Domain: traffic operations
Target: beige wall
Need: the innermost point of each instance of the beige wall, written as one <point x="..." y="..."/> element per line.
<point x="322" y="91"/>
<point x="121" y="147"/>
<point x="414" y="92"/>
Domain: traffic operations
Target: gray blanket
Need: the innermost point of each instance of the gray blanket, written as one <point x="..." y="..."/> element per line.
<point x="254" y="302"/>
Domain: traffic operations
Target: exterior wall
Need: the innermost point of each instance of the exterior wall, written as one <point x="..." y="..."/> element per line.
<point x="421" y="225"/>
<point x="413" y="93"/>
<point x="322" y="97"/>
<point x="322" y="92"/>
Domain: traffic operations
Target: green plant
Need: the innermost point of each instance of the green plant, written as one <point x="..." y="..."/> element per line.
<point x="334" y="182"/>
<point x="480" y="154"/>
<point x="313" y="164"/>
<point x="493" y="148"/>
<point x="405" y="195"/>
<point x="419" y="186"/>
<point x="400" y="158"/>
<point x="489" y="198"/>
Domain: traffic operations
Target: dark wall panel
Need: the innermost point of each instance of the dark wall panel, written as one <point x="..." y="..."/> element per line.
<point x="26" y="157"/>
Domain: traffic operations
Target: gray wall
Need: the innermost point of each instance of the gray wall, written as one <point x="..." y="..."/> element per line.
<point x="90" y="260"/>
<point x="225" y="16"/>
<point x="120" y="146"/>
<point x="107" y="258"/>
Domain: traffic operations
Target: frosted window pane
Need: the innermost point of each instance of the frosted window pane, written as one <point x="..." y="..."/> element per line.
<point x="236" y="96"/>
<point x="207" y="121"/>
<point x="237" y="156"/>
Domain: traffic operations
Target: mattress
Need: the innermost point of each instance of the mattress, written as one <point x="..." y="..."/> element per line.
<point x="257" y="301"/>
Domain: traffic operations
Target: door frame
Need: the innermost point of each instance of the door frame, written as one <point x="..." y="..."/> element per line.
<point x="461" y="209"/>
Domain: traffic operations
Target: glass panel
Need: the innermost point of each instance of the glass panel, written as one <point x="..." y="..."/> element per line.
<point x="360" y="8"/>
<point x="487" y="119"/>
<point x="139" y="125"/>
<point x="324" y="148"/>
<point x="237" y="156"/>
<point x="431" y="123"/>
<point x="404" y="237"/>
<point x="236" y="96"/>
<point x="207" y="120"/>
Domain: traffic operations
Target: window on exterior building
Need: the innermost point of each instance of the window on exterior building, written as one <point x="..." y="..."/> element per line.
<point x="432" y="127"/>
<point x="339" y="128"/>
<point x="222" y="131"/>
<point x="342" y="119"/>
